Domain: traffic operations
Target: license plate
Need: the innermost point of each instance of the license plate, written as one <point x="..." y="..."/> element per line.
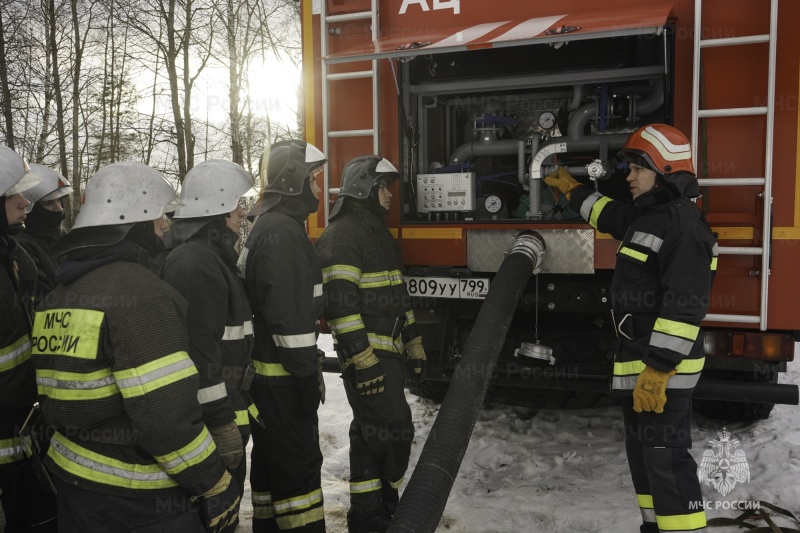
<point x="467" y="288"/>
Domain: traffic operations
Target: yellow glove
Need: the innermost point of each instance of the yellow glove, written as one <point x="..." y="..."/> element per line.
<point x="416" y="352"/>
<point x="650" y="392"/>
<point x="220" y="504"/>
<point x="369" y="372"/>
<point x="563" y="181"/>
<point x="229" y="443"/>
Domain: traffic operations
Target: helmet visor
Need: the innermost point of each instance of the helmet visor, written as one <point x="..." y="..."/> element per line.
<point x="28" y="180"/>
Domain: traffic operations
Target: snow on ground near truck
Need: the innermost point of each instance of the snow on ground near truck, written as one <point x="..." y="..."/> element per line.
<point x="562" y="471"/>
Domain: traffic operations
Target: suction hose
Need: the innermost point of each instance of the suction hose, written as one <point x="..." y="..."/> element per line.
<point x="424" y="499"/>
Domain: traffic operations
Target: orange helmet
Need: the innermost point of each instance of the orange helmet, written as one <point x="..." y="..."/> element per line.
<point x="661" y="148"/>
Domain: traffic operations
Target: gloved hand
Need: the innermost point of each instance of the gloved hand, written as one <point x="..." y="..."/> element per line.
<point x="320" y="379"/>
<point x="229" y="443"/>
<point x="369" y="372"/>
<point x="219" y="506"/>
<point x="563" y="181"/>
<point x="419" y="361"/>
<point x="650" y="392"/>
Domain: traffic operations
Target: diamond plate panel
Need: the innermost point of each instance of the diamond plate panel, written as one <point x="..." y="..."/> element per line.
<point x="569" y="251"/>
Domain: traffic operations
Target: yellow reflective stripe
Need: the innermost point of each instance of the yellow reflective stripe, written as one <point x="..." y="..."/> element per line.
<point x="75" y="386"/>
<point x="384" y="342"/>
<point x="164" y="371"/>
<point x="679" y="329"/>
<point x="262" y="505"/>
<point x="395" y="277"/>
<point x="361" y="487"/>
<point x="639" y="256"/>
<point x="253" y="410"/>
<point x="410" y="317"/>
<point x="682" y="522"/>
<point x="713" y="263"/>
<point x="396" y="484"/>
<point x="645" y="501"/>
<point x="343" y="272"/>
<point x="70" y="332"/>
<point x="298" y="503"/>
<point x="11" y="450"/>
<point x="15" y="354"/>
<point x="190" y="455"/>
<point x="687" y="366"/>
<point x="371" y="280"/>
<point x="346" y="324"/>
<point x="270" y="369"/>
<point x="242" y="418"/>
<point x="293" y="521"/>
<point x="597" y="208"/>
<point x="93" y="466"/>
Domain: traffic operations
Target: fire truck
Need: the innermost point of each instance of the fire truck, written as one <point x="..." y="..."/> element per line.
<point x="476" y="101"/>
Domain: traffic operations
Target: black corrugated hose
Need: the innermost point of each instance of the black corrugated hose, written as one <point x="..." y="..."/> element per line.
<point x="424" y="499"/>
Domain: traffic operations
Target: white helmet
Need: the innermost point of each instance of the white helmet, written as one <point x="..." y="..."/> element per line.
<point x="52" y="186"/>
<point x="213" y="187"/>
<point x="15" y="174"/>
<point x="124" y="193"/>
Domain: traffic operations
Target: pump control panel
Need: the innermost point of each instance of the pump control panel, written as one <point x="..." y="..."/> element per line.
<point x="445" y="192"/>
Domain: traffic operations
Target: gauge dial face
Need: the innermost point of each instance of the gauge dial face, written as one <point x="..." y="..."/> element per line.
<point x="547" y="120"/>
<point x="493" y="203"/>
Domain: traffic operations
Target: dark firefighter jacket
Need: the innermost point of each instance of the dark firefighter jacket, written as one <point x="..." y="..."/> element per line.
<point x="116" y="382"/>
<point x="284" y="283"/>
<point x="202" y="268"/>
<point x="17" y="385"/>
<point x="661" y="287"/>
<point x="366" y="301"/>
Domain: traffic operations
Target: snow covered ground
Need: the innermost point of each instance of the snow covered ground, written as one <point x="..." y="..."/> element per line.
<point x="559" y="471"/>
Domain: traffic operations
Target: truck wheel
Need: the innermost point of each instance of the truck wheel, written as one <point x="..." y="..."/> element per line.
<point x="430" y="390"/>
<point x="738" y="411"/>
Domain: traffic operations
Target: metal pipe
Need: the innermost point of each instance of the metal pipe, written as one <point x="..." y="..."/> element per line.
<point x="473" y="149"/>
<point x="425" y="497"/>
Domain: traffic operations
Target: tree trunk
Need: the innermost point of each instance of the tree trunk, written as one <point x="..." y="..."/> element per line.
<point x="172" y="73"/>
<point x="234" y="90"/>
<point x="6" y="91"/>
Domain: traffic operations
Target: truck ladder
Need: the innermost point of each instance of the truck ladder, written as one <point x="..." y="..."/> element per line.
<point x="327" y="79"/>
<point x="766" y="181"/>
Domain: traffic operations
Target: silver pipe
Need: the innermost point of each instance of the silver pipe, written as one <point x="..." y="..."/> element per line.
<point x="738" y="319"/>
<point x="728" y="41"/>
<point x="521" y="161"/>
<point x="577" y="96"/>
<point x="710" y="182"/>
<point x="740" y="250"/>
<point x="732" y="112"/>
<point x="473" y="149"/>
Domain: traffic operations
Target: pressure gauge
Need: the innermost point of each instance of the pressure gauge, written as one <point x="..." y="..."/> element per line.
<point x="547" y="120"/>
<point x="493" y="203"/>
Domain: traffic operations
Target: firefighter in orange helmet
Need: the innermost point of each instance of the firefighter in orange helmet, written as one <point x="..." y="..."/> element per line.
<point x="368" y="310"/>
<point x="660" y="292"/>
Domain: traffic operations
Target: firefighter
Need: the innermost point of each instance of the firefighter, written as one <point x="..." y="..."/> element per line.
<point x="368" y="310"/>
<point x="283" y="280"/>
<point x="130" y="451"/>
<point x="201" y="266"/>
<point x="43" y="223"/>
<point x="24" y="505"/>
<point x="660" y="292"/>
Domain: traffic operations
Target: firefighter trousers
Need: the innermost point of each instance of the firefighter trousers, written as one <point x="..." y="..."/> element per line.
<point x="381" y="434"/>
<point x="286" y="459"/>
<point x="239" y="475"/>
<point x="664" y="473"/>
<point x="81" y="510"/>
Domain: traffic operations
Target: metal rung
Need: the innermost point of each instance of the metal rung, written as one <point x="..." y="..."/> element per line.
<point x="739" y="319"/>
<point x="727" y="182"/>
<point x="347" y="17"/>
<point x="731" y="112"/>
<point x="351" y="133"/>
<point x="351" y="75"/>
<point x="740" y="250"/>
<point x="333" y="190"/>
<point x="734" y="41"/>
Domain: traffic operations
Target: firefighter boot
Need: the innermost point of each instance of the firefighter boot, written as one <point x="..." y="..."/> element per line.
<point x="375" y="522"/>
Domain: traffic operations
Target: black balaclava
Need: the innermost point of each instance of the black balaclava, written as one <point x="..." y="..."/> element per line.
<point x="42" y="222"/>
<point x="5" y="227"/>
<point x="143" y="234"/>
<point x="372" y="203"/>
